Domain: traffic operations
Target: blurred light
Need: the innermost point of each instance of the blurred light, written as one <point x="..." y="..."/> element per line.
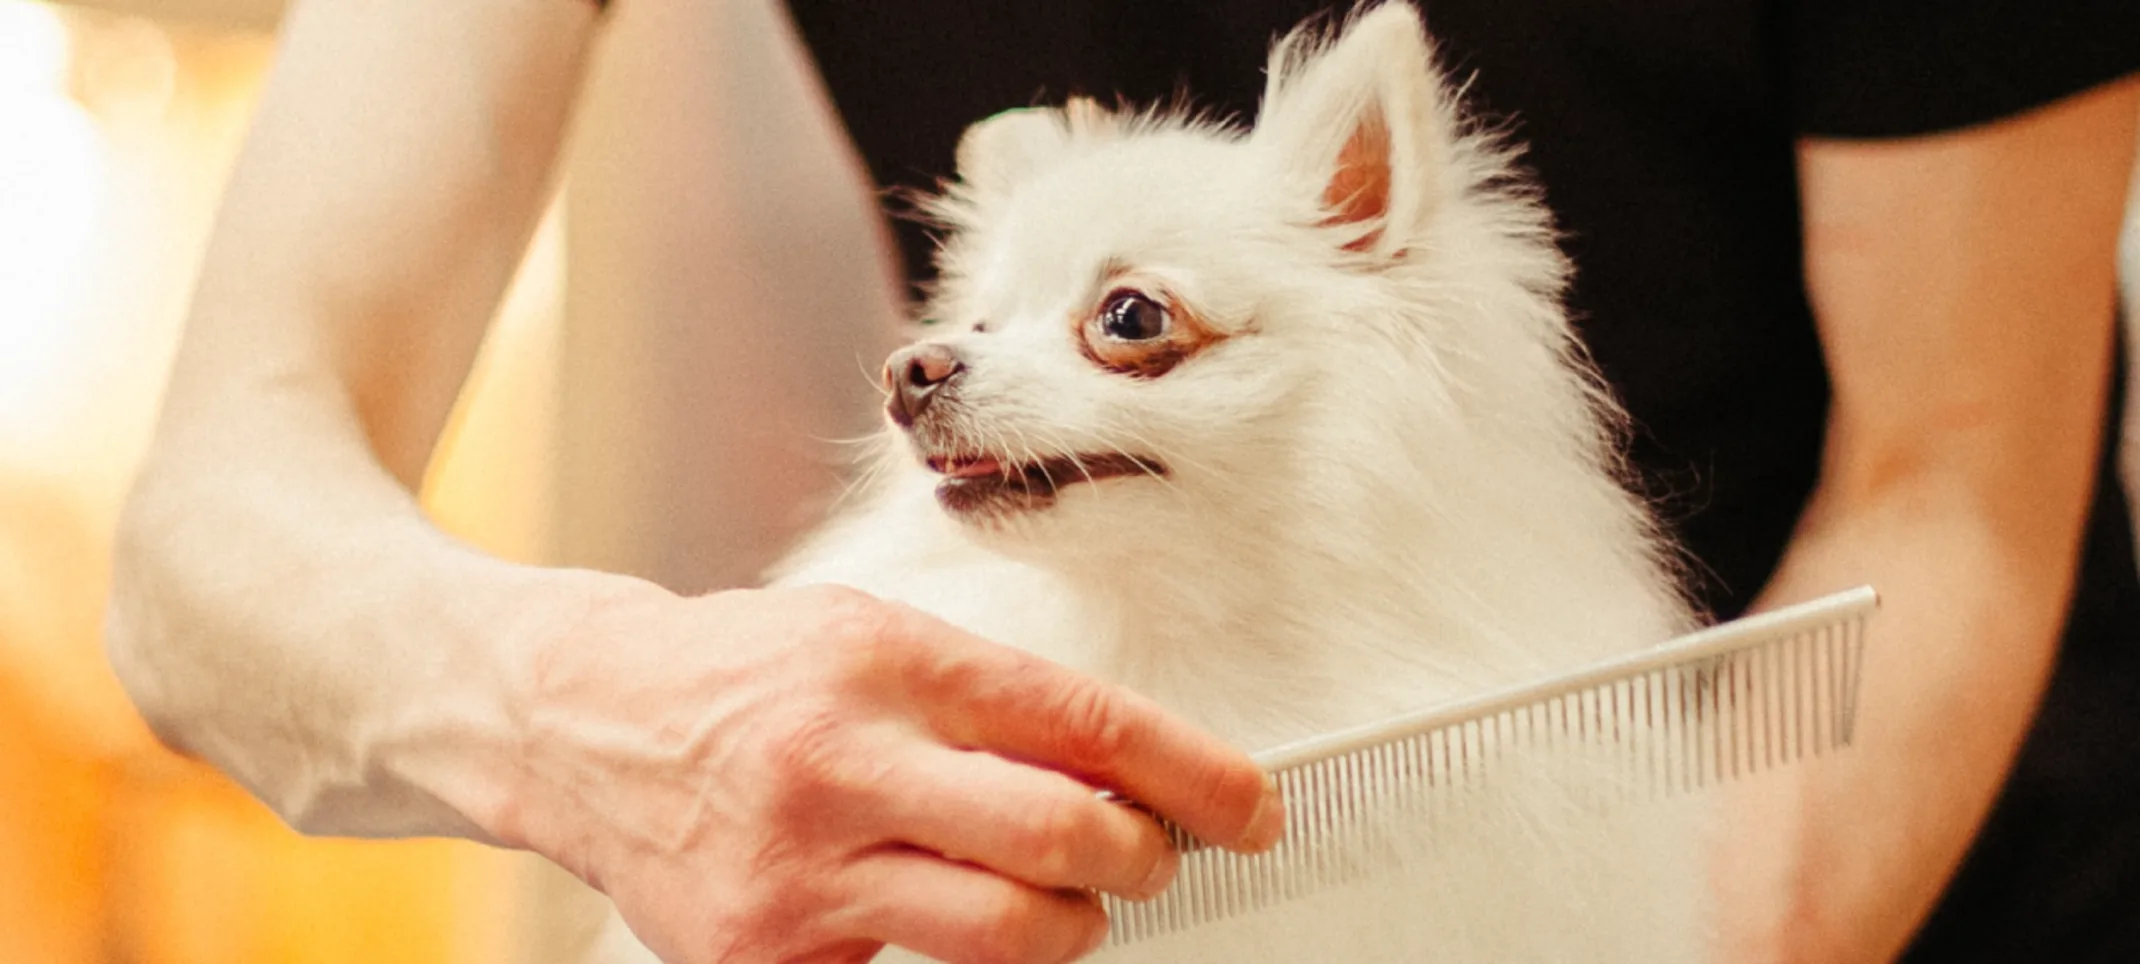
<point x="128" y="71"/>
<point x="33" y="47"/>
<point x="52" y="174"/>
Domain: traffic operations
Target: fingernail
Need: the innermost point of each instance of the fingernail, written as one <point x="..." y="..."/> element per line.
<point x="1162" y="874"/>
<point x="1268" y="825"/>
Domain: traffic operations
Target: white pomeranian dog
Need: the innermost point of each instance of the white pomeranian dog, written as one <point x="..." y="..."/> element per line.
<point x="1286" y="428"/>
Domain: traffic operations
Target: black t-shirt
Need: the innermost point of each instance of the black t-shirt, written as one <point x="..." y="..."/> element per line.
<point x="1663" y="133"/>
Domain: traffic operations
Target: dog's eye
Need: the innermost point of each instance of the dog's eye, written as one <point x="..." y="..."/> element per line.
<point x="1130" y="316"/>
<point x="1142" y="335"/>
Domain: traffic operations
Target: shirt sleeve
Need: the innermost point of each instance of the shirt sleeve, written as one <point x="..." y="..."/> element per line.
<point x="1891" y="68"/>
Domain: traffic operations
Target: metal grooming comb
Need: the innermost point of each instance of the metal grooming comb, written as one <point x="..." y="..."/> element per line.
<point x="1711" y="706"/>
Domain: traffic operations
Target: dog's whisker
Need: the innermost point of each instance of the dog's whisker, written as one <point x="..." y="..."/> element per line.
<point x="874" y="378"/>
<point x="1144" y="462"/>
<point x="868" y="438"/>
<point x="861" y="482"/>
<point x="1067" y="453"/>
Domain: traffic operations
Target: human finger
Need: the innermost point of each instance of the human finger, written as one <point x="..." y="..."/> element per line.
<point x="961" y="914"/>
<point x="986" y="696"/>
<point x="1036" y="825"/>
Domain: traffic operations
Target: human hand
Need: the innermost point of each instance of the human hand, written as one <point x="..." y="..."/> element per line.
<point x="806" y="775"/>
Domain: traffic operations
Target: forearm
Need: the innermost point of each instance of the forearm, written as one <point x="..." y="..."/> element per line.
<point x="1963" y="286"/>
<point x="1850" y="851"/>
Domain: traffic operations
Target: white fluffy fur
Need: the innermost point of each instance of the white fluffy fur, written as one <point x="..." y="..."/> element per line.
<point x="1394" y="483"/>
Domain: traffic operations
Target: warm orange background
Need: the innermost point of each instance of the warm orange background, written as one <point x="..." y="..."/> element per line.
<point x="115" y="135"/>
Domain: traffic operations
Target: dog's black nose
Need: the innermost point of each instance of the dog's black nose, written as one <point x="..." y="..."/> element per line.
<point x="914" y="375"/>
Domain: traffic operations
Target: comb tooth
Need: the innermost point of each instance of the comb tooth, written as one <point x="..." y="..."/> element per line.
<point x="1232" y="900"/>
<point x="1639" y="743"/>
<point x="1348" y="816"/>
<point x="1838" y="680"/>
<point x="1808" y="718"/>
<point x="1723" y="707"/>
<point x="1627" y="751"/>
<point x="1736" y="697"/>
<point x="1811" y="660"/>
<point x="1823" y="733"/>
<point x="1699" y="724"/>
<point x="1674" y="739"/>
<point x="1647" y="715"/>
<point x="1812" y="697"/>
<point x="1802" y="701"/>
<point x="1787" y="699"/>
<point x="1668" y="730"/>
<point x="1620" y="771"/>
<point x="1683" y="718"/>
<point x="1813" y="694"/>
<point x="1691" y="696"/>
<point x="1310" y="820"/>
<point x="1262" y="891"/>
<point x="1593" y="718"/>
<point x="1214" y="898"/>
<point x="1720" y="707"/>
<point x="1704" y="690"/>
<point x="1788" y="705"/>
<point x="1713" y="730"/>
<point x="1755" y="718"/>
<point x="1556" y="714"/>
<point x="1287" y="856"/>
<point x="1835" y="686"/>
<point x="1696" y="696"/>
<point x="1848" y="727"/>
<point x="1764" y="678"/>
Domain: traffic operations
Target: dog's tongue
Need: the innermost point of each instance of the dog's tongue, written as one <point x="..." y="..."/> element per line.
<point x="974" y="469"/>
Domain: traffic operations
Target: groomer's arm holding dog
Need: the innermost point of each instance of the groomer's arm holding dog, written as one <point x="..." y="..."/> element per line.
<point x="1964" y="289"/>
<point x="753" y="776"/>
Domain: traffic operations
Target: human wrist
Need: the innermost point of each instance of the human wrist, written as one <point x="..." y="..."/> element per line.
<point x="465" y="743"/>
<point x="527" y="619"/>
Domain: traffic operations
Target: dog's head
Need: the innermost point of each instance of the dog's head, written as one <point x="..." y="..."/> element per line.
<point x="1141" y="313"/>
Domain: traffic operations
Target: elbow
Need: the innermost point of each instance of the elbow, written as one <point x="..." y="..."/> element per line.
<point x="137" y="617"/>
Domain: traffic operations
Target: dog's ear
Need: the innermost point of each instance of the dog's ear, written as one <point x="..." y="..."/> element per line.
<point x="1001" y="150"/>
<point x="1364" y="122"/>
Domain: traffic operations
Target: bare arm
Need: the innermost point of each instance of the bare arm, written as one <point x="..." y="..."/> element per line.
<point x="386" y="192"/>
<point x="720" y="766"/>
<point x="1964" y="286"/>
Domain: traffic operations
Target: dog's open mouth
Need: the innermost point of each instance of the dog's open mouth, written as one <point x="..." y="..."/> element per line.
<point x="985" y="484"/>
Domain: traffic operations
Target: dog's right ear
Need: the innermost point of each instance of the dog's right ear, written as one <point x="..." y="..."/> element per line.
<point x="997" y="152"/>
<point x="1362" y="121"/>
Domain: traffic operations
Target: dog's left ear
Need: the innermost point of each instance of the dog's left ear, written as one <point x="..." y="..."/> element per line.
<point x="1001" y="150"/>
<point x="1363" y="122"/>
